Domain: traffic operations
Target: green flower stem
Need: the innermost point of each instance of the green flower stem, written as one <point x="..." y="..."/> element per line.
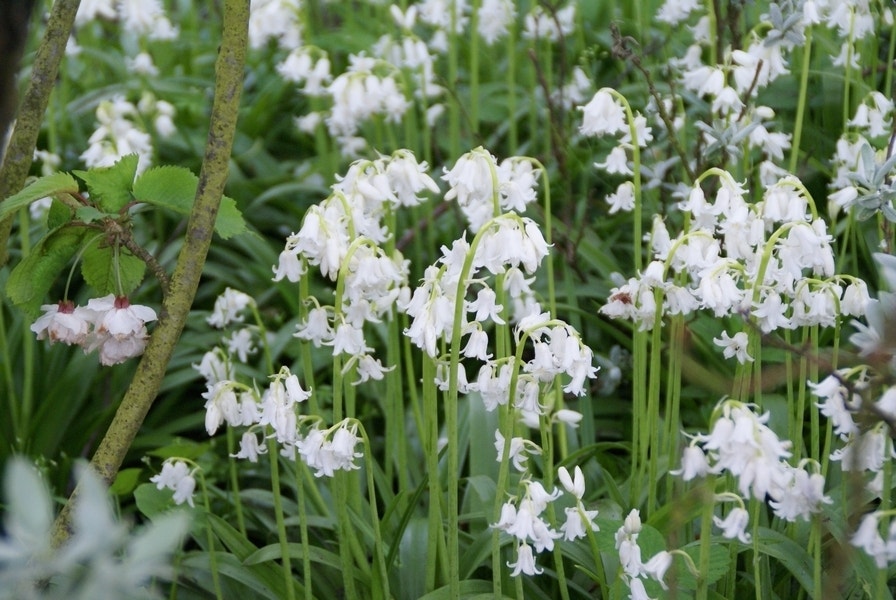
<point x="235" y="482"/>
<point x="394" y="406"/>
<point x="847" y="67"/>
<point x="511" y="55"/>
<point x="711" y="6"/>
<point x="12" y="402"/>
<point x="547" y="444"/>
<point x="801" y="102"/>
<point x="340" y="491"/>
<point x="379" y="547"/>
<point x="505" y="424"/>
<point x="546" y="60"/>
<point x="705" y="537"/>
<point x="282" y="537"/>
<point x="673" y="394"/>
<point x="639" y="414"/>
<point x="44" y="74"/>
<point x="431" y="439"/>
<point x="407" y="367"/>
<point x="454" y="103"/>
<point x="641" y="397"/>
<point x="798" y="411"/>
<point x="23" y="424"/>
<point x="307" y="579"/>
<point x="891" y="56"/>
<point x="651" y="420"/>
<point x="210" y="539"/>
<point x="636" y="180"/>
<point x="451" y="424"/>
<point x="396" y="439"/>
<point x="307" y="362"/>
<point x="599" y="569"/>
<point x="200" y="227"/>
<point x="337" y="315"/>
<point x="882" y="586"/>
<point x="474" y="68"/>
<point x="755" y="507"/>
<point x="814" y="426"/>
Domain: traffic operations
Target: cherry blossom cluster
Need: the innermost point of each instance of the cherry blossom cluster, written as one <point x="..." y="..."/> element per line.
<point x="523" y="518"/>
<point x="742" y="445"/>
<point x="110" y="324"/>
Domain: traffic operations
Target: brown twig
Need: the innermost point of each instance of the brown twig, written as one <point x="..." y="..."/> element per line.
<point x="622" y="51"/>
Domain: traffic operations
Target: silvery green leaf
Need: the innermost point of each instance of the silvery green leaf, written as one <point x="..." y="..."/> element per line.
<point x="93" y="524"/>
<point x="30" y="513"/>
<point x="887" y="263"/>
<point x="148" y="553"/>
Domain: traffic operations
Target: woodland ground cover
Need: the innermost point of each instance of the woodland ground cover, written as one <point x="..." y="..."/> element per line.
<point x="451" y="298"/>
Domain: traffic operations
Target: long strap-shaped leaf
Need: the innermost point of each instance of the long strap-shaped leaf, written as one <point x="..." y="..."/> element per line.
<point x="148" y="377"/>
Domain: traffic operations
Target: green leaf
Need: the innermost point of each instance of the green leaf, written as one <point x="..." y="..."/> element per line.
<point x="794" y="557"/>
<point x="174" y="188"/>
<point x="50" y="185"/>
<point x="102" y="273"/>
<point x="31" y="279"/>
<point x="125" y="481"/>
<point x="188" y="450"/>
<point x="229" y="221"/>
<point x="470" y="588"/>
<point x="720" y="558"/>
<point x="110" y="187"/>
<point x="88" y="214"/>
<point x="58" y="215"/>
<point x="151" y="501"/>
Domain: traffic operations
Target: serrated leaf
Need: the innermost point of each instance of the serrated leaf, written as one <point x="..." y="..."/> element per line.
<point x="110" y="187"/>
<point x="45" y="186"/>
<point x="88" y="214"/>
<point x="58" y="215"/>
<point x="229" y="221"/>
<point x="102" y="271"/>
<point x="31" y="279"/>
<point x="174" y="188"/>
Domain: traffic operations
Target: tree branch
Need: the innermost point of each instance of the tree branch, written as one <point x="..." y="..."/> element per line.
<point x="20" y="151"/>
